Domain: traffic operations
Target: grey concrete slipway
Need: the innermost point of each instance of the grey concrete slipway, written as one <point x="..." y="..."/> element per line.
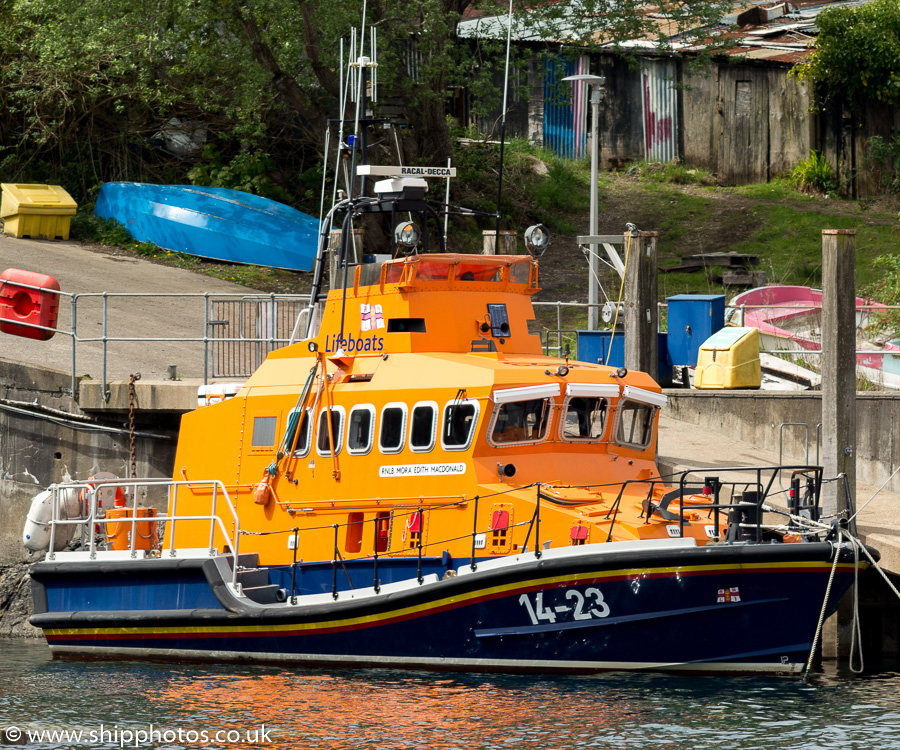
<point x="83" y="272"/>
<point x="80" y="271"/>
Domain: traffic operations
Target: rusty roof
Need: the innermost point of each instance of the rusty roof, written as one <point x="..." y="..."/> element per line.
<point x="782" y="32"/>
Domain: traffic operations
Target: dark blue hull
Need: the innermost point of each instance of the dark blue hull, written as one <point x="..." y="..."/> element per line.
<point x="634" y="606"/>
<point x="215" y="223"/>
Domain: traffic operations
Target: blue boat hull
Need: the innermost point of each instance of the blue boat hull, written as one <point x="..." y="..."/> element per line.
<point x="719" y="608"/>
<point x="214" y="223"/>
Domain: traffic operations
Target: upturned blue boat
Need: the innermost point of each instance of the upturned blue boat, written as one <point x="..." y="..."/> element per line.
<point x="215" y="223"/>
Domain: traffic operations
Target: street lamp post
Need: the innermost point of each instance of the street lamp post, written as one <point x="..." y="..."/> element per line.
<point x="596" y="86"/>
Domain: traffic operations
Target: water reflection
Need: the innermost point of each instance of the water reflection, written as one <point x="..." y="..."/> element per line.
<point x="338" y="710"/>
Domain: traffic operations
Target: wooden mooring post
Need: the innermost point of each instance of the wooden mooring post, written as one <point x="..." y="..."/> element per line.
<point x="641" y="309"/>
<point x="838" y="400"/>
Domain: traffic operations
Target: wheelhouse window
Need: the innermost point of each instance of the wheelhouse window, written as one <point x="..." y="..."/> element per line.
<point x="634" y="424"/>
<point x="324" y="436"/>
<point x="423" y="426"/>
<point x="460" y="418"/>
<point x="521" y="421"/>
<point x="393" y="428"/>
<point x="584" y="418"/>
<point x="299" y="428"/>
<point x="361" y="429"/>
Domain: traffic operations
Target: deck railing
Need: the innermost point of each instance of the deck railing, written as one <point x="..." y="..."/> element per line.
<point x="744" y="498"/>
<point x="93" y="519"/>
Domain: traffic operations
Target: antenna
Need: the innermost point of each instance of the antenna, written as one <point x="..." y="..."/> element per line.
<point x="354" y="70"/>
<point x="503" y="124"/>
<point x="374" y="65"/>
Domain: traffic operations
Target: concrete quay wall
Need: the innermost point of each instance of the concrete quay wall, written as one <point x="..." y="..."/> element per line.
<point x="45" y="438"/>
<point x="756" y="417"/>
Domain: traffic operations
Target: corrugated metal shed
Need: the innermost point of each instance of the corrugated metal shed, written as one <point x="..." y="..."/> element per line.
<point x="660" y="109"/>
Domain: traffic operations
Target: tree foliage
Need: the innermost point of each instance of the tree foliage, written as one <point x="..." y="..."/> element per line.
<point x="88" y="88"/>
<point x="857" y="55"/>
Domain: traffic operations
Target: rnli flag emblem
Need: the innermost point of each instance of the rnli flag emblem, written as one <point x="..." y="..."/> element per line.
<point x="370" y="317"/>
<point x="729" y="595"/>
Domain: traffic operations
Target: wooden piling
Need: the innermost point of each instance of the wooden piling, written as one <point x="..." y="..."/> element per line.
<point x="838" y="400"/>
<point x="641" y="297"/>
<point x="838" y="364"/>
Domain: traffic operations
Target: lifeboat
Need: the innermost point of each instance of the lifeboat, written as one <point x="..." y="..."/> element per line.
<point x="413" y="483"/>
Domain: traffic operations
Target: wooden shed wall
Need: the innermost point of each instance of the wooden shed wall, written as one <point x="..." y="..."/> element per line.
<point x="621" y="126"/>
<point x="744" y="121"/>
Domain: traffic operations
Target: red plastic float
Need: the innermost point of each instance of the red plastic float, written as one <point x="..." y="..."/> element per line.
<point x="19" y="304"/>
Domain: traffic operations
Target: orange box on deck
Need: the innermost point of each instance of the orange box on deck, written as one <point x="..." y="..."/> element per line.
<point x="119" y="534"/>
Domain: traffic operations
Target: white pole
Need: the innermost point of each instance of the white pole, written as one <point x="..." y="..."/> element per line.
<point x="595" y="158"/>
<point x="447" y="205"/>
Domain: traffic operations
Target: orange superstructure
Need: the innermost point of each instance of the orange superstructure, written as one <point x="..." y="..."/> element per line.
<point x="440" y="399"/>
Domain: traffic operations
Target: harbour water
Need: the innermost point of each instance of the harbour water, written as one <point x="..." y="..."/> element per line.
<point x="143" y="704"/>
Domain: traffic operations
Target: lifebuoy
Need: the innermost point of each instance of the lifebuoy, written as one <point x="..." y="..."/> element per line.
<point x="108" y="496"/>
<point x="37" y="307"/>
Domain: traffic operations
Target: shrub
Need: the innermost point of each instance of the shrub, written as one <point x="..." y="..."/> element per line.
<point x="814" y="175"/>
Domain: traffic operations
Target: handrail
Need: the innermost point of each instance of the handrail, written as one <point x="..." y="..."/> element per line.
<point x="92" y="517"/>
<point x="218" y="523"/>
<point x="81" y="306"/>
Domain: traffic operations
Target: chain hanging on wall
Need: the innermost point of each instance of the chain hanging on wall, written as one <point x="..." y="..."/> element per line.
<point x="131" y="381"/>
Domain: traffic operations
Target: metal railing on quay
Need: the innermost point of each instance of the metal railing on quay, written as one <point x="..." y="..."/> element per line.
<point x="233" y="332"/>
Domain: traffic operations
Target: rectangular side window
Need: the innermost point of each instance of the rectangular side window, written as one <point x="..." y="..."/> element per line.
<point x="421" y="431"/>
<point x="360" y="428"/>
<point x="301" y="434"/>
<point x="323" y="441"/>
<point x="460" y="418"/>
<point x="393" y="425"/>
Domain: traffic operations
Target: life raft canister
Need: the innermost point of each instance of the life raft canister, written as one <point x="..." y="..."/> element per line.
<point x="36" y="533"/>
<point x="38" y="307"/>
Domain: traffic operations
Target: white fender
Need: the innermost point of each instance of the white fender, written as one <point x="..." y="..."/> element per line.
<point x="36" y="534"/>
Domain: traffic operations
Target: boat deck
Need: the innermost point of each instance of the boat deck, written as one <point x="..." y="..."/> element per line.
<point x="681" y="443"/>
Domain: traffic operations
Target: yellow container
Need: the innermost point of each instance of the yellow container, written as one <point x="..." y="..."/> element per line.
<point x="36" y="211"/>
<point x="729" y="359"/>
